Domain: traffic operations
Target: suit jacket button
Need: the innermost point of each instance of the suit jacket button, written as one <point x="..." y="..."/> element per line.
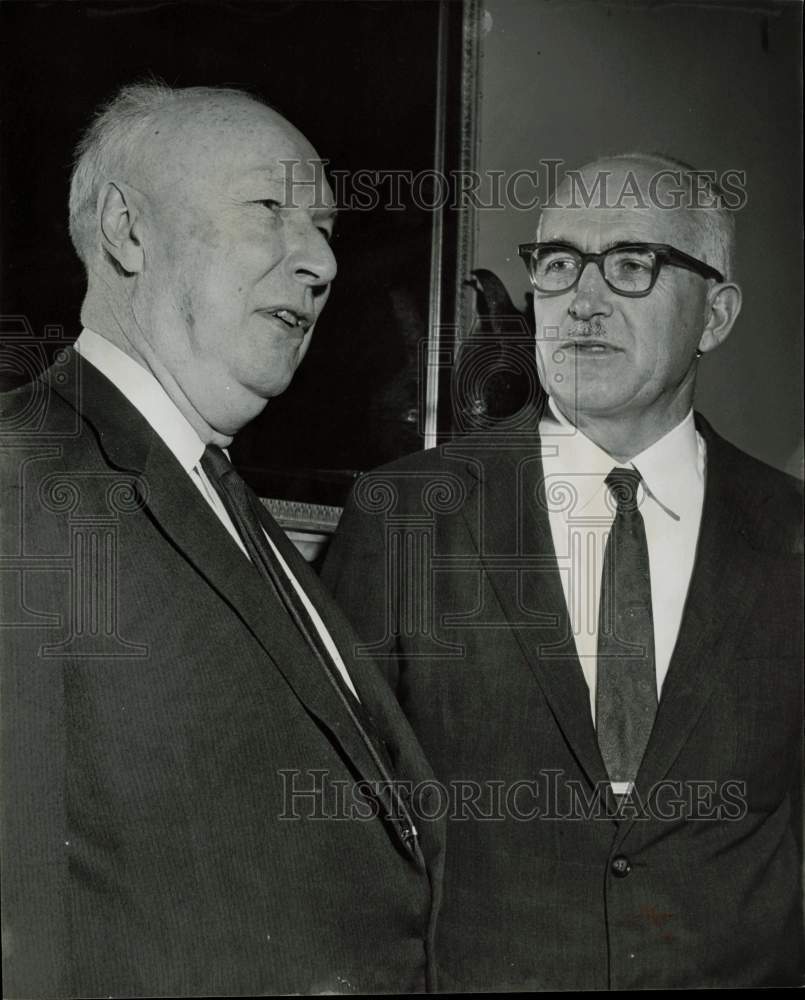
<point x="621" y="866"/>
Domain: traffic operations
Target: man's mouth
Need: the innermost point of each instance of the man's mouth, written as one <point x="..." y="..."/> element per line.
<point x="589" y="347"/>
<point x="298" y="321"/>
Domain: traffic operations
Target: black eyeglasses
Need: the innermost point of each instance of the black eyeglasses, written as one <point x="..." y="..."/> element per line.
<point x="627" y="268"/>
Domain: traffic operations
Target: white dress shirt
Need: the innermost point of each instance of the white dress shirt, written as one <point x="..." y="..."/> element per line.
<point x="145" y="393"/>
<point x="581" y="512"/>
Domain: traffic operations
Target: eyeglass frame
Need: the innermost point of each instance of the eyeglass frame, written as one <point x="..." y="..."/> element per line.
<point x="663" y="254"/>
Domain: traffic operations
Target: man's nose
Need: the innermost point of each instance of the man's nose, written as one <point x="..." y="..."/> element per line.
<point x="591" y="296"/>
<point x="311" y="258"/>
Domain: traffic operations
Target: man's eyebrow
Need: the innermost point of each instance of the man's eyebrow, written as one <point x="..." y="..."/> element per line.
<point x="284" y="173"/>
<point x="274" y="175"/>
<point x="620" y="241"/>
<point x="558" y="239"/>
<point x="625" y="241"/>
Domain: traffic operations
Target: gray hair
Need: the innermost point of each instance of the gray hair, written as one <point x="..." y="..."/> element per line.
<point x="115" y="140"/>
<point x="713" y="223"/>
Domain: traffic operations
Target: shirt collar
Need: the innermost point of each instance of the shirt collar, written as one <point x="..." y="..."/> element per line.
<point x="145" y="393"/>
<point x="569" y="456"/>
<point x="672" y="469"/>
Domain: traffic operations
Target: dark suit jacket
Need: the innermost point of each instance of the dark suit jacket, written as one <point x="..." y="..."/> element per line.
<point x="164" y="735"/>
<point x="445" y="564"/>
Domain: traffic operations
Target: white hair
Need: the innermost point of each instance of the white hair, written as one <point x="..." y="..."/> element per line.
<point x="713" y="223"/>
<point x="116" y="139"/>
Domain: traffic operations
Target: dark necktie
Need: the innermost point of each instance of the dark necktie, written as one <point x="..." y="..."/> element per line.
<point x="626" y="682"/>
<point x="242" y="505"/>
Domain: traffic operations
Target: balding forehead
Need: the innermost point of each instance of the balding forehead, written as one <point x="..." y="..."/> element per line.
<point x="595" y="230"/>
<point x="623" y="195"/>
<point x="201" y="134"/>
<point x="204" y="120"/>
<point x="238" y="114"/>
<point x="631" y="182"/>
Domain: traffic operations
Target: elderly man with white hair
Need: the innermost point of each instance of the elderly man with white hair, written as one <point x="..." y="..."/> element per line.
<point x="200" y="782"/>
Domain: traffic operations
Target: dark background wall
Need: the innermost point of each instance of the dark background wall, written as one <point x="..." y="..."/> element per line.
<point x="716" y="84"/>
<point x="358" y="78"/>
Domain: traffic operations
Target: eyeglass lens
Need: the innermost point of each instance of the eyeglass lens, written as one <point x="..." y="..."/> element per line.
<point x="557" y="268"/>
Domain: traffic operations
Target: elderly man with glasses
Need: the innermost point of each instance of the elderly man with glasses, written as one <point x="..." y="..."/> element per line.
<point x="592" y="617"/>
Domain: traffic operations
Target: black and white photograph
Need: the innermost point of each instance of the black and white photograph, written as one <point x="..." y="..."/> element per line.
<point x="401" y="496"/>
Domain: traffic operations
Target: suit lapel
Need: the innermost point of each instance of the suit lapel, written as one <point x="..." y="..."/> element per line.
<point x="532" y="599"/>
<point x="722" y="590"/>
<point x="380" y="724"/>
<point x="182" y="515"/>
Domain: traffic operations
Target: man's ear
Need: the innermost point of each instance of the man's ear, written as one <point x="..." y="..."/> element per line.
<point x="721" y="311"/>
<point x="120" y="226"/>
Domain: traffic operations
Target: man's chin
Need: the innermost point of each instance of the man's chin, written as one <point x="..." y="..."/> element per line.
<point x="240" y="407"/>
<point x="248" y="395"/>
<point x="580" y="399"/>
<point x="277" y="384"/>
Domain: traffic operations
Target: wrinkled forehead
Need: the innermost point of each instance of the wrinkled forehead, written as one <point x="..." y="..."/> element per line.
<point x="240" y="147"/>
<point x="611" y="204"/>
<point x="292" y="178"/>
<point x="594" y="229"/>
